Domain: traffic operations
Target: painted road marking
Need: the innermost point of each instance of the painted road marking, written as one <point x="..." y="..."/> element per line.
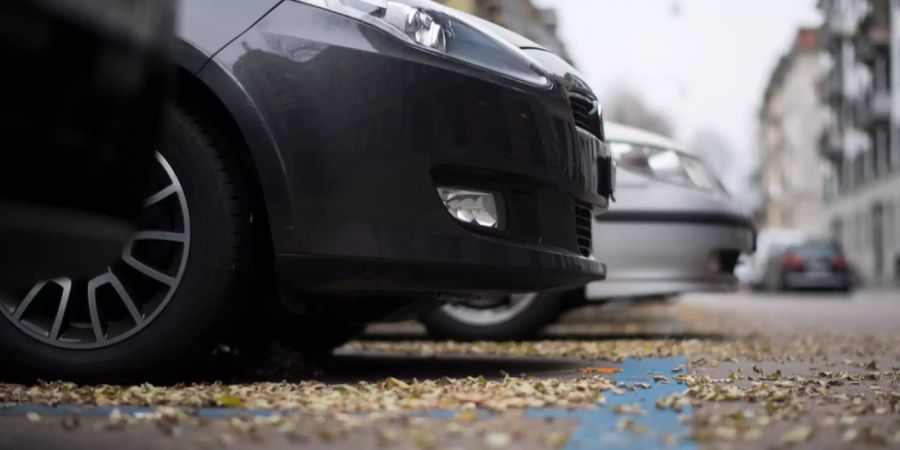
<point x="598" y="428"/>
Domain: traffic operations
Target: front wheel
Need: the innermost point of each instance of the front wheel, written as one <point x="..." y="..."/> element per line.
<point x="170" y="297"/>
<point x="512" y="317"/>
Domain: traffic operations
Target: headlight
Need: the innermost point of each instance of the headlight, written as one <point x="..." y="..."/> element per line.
<point x="666" y="165"/>
<point x="441" y="30"/>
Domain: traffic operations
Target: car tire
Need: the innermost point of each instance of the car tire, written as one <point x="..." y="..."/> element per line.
<point x="201" y="308"/>
<point x="453" y="323"/>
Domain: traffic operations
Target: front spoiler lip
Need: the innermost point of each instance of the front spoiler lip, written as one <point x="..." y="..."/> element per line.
<point x="343" y="274"/>
<point x="680" y="217"/>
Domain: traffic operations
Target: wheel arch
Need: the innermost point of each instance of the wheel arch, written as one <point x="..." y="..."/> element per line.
<point x="214" y="94"/>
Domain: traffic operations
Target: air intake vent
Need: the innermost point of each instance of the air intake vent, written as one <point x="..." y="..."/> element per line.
<point x="583" y="221"/>
<point x="586" y="115"/>
<point x="728" y="260"/>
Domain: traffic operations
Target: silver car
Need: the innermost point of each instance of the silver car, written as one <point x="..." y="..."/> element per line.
<point x="673" y="229"/>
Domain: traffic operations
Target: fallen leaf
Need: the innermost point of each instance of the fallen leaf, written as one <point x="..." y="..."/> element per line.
<point x="606" y="370"/>
<point x="497" y="440"/>
<point x="229" y="401"/>
<point x="798" y="435"/>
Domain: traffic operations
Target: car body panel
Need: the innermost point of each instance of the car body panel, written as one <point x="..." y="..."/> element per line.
<point x="661" y="238"/>
<point x="207" y="25"/>
<point x="648" y="258"/>
<point x="771" y="242"/>
<point x="624" y="133"/>
<point x="637" y="192"/>
<point x="817" y="269"/>
<point x="825" y="280"/>
<point x="351" y="174"/>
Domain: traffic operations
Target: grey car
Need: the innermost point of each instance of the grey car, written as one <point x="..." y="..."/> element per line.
<point x="673" y="229"/>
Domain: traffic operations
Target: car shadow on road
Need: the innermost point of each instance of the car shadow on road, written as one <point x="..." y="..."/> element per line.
<point x="568" y="336"/>
<point x="635" y="336"/>
<point x="808" y="294"/>
<point x="352" y="368"/>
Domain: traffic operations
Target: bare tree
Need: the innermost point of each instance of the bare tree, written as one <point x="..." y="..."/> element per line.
<point x="628" y="108"/>
<point x="715" y="150"/>
<point x="736" y="170"/>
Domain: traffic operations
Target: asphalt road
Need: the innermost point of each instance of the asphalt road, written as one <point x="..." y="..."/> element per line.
<point x="741" y="370"/>
<point x="870" y="311"/>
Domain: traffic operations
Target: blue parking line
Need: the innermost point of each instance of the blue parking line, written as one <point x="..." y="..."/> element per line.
<point x="598" y="428"/>
<point x="137" y="411"/>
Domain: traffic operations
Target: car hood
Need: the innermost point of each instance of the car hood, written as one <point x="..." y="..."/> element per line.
<point x="512" y="37"/>
<point x="547" y="60"/>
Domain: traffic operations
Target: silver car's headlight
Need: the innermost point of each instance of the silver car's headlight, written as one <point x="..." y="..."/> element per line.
<point x="441" y="30"/>
<point x="666" y="165"/>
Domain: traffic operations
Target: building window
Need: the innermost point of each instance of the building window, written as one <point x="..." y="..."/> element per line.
<point x="890" y="230"/>
<point x="859" y="169"/>
<point x="895" y="151"/>
<point x="878" y="240"/>
<point x="870" y="159"/>
<point x="880" y="160"/>
<point x="881" y="74"/>
<point x="840" y="179"/>
<point x="837" y="232"/>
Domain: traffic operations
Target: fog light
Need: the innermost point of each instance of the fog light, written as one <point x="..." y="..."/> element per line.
<point x="472" y="207"/>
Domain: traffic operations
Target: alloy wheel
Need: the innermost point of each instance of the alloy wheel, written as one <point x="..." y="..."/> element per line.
<point x="489" y="310"/>
<point x="114" y="305"/>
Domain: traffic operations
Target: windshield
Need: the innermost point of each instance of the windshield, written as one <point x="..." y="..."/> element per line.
<point x="816" y="250"/>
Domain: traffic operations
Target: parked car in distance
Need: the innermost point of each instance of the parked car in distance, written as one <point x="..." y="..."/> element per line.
<point x="673" y="229"/>
<point x="327" y="164"/>
<point x="812" y="264"/>
<point x="769" y="241"/>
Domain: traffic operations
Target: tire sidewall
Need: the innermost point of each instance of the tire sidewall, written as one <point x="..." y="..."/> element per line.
<point x="545" y="308"/>
<point x="183" y="327"/>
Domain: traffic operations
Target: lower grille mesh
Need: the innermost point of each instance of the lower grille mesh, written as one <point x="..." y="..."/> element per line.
<point x="583" y="227"/>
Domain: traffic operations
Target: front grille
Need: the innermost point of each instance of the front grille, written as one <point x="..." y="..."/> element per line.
<point x="583" y="221"/>
<point x="586" y="114"/>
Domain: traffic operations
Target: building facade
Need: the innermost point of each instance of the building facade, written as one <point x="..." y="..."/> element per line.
<point x="521" y="16"/>
<point x="861" y="140"/>
<point x="791" y="120"/>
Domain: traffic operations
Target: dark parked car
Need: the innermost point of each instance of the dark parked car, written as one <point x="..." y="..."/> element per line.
<point x="350" y="160"/>
<point x="813" y="264"/>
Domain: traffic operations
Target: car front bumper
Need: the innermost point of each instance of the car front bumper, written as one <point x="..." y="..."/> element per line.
<point x="824" y="280"/>
<point x="659" y="253"/>
<point x="368" y="127"/>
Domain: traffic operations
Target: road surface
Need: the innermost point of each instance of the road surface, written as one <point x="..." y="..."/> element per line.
<point x="741" y="370"/>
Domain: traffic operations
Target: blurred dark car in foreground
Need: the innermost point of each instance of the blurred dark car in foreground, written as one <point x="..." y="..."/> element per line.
<point x="84" y="85"/>
<point x="674" y="229"/>
<point x="813" y="264"/>
<point x="327" y="164"/>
